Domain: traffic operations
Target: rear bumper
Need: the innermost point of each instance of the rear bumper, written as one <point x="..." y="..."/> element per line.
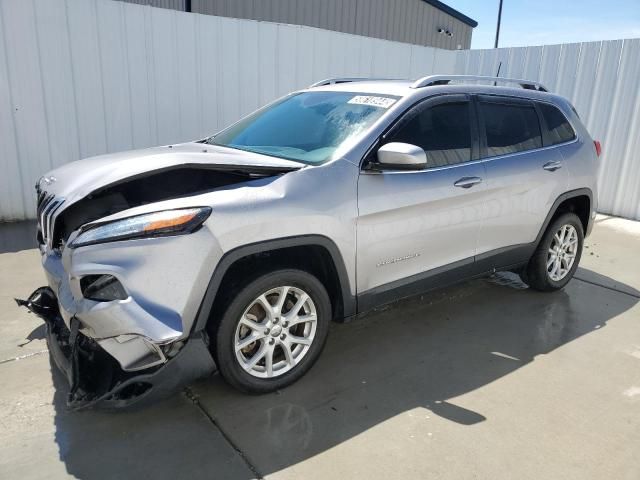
<point x="96" y="378"/>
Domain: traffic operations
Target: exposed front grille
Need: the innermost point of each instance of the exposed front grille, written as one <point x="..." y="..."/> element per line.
<point x="48" y="207"/>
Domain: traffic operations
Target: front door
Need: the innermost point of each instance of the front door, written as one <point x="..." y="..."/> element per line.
<point x="415" y="224"/>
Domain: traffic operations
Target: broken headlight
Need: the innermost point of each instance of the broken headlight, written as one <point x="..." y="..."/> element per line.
<point x="167" y="222"/>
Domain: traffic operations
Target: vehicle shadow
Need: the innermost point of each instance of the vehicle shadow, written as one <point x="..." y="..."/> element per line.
<point x="38" y="333"/>
<point x="419" y="353"/>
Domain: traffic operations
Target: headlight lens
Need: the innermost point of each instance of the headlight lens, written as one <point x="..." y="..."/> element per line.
<point x="168" y="222"/>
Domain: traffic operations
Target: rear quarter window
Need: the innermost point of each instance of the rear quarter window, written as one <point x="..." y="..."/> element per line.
<point x="559" y="128"/>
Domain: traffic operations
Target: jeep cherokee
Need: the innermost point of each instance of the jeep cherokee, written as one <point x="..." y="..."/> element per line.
<point x="236" y="251"/>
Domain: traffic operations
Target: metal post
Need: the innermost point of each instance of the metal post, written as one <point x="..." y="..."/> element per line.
<point x="498" y="26"/>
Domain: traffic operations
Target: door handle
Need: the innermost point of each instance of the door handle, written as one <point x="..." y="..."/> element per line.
<point x="552" y="166"/>
<point x="467" y="182"/>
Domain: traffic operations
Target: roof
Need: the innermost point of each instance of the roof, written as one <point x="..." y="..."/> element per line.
<point x="426" y="81"/>
<point x="406" y="88"/>
<point x="453" y="12"/>
<point x="400" y="88"/>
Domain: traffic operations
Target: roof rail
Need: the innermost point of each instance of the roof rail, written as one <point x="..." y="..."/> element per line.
<point x="433" y="80"/>
<point x="332" y="81"/>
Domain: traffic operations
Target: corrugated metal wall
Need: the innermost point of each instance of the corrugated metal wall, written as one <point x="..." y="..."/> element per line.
<point x="85" y="77"/>
<point x="602" y="80"/>
<point x="409" y="21"/>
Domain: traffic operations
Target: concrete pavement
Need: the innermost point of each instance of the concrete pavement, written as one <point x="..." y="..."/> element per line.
<point x="482" y="380"/>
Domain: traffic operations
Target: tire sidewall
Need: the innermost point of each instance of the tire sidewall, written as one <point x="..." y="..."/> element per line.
<point x="224" y="334"/>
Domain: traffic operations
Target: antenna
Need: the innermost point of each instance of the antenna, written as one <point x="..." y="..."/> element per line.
<point x="497" y="74"/>
<point x="498" y="25"/>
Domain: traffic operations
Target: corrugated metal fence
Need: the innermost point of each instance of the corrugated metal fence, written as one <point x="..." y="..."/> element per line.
<point x="602" y="80"/>
<point x="85" y="77"/>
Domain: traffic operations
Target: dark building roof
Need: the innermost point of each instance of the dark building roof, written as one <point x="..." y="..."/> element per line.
<point x="453" y="12"/>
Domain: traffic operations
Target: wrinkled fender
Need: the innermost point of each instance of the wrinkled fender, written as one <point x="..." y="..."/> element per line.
<point x="349" y="300"/>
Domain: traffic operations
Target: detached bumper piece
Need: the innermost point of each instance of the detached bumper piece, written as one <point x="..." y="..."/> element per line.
<point x="95" y="378"/>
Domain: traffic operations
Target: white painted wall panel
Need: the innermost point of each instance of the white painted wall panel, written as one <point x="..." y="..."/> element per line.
<point x="187" y="78"/>
<point x="57" y="84"/>
<point x="268" y="85"/>
<point x="112" y="53"/>
<point x="617" y="190"/>
<point x="139" y="75"/>
<point x="27" y="96"/>
<point x="12" y="189"/>
<point x="86" y="77"/>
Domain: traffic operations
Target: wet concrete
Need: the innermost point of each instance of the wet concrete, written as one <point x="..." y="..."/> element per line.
<point x="41" y="439"/>
<point x="481" y="378"/>
<point x="487" y="379"/>
<point x="17" y="236"/>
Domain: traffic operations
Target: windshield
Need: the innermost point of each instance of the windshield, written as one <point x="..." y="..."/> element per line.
<point x="307" y="127"/>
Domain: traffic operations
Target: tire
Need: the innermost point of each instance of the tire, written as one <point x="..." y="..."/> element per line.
<point x="547" y="279"/>
<point x="248" y="318"/>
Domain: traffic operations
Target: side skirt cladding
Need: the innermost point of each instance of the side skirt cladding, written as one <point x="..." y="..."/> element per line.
<point x="509" y="258"/>
<point x="349" y="306"/>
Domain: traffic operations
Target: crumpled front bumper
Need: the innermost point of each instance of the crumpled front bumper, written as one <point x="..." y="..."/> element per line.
<point x="96" y="378"/>
<point x="164" y="279"/>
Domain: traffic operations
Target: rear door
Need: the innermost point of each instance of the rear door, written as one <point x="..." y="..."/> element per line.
<point x="523" y="177"/>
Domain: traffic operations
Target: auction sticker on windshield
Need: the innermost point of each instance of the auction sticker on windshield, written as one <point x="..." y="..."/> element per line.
<point x="380" y="102"/>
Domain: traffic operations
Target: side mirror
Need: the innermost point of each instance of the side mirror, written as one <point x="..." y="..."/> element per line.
<point x="401" y="156"/>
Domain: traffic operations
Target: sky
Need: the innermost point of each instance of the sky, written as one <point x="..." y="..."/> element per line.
<point x="543" y="22"/>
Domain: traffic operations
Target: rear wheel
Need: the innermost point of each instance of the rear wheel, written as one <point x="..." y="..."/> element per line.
<point x="557" y="256"/>
<point x="273" y="331"/>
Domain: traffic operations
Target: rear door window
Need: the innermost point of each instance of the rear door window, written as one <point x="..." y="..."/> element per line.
<point x="510" y="127"/>
<point x="559" y="128"/>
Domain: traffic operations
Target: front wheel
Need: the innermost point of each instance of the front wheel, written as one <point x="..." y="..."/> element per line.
<point x="273" y="331"/>
<point x="557" y="256"/>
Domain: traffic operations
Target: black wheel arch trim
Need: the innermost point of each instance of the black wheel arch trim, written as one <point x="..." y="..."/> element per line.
<point x="230" y="257"/>
<point x="554" y="208"/>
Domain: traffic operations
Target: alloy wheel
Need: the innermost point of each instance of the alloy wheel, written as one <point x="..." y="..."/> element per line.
<point x="562" y="252"/>
<point x="275" y="332"/>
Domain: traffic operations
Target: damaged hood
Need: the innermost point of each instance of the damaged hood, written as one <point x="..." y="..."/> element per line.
<point x="78" y="179"/>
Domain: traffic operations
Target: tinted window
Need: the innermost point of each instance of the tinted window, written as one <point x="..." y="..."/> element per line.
<point x="443" y="131"/>
<point x="560" y="129"/>
<point x="510" y="128"/>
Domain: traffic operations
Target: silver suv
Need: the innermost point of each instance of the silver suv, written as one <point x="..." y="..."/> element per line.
<point x="236" y="251"/>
